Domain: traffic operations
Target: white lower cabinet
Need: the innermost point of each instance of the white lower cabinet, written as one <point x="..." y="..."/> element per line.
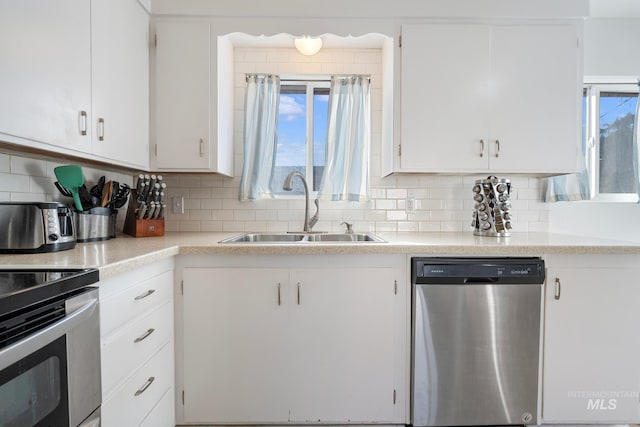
<point x="137" y="350"/>
<point x="317" y="344"/>
<point x="591" y="340"/>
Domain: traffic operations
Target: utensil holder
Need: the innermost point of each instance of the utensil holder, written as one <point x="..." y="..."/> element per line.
<point x="95" y="224"/>
<point x="141" y="227"/>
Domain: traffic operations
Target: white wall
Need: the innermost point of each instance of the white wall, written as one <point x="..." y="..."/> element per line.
<point x="610" y="49"/>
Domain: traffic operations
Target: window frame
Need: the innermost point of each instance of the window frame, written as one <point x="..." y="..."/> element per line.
<point x="593" y="87"/>
<point x="312" y="82"/>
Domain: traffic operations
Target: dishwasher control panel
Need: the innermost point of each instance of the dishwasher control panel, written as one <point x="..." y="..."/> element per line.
<point x="505" y="270"/>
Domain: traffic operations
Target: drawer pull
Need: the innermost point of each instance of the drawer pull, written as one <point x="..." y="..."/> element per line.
<point x="143" y="336"/>
<point x="146" y="294"/>
<point x="558" y="289"/>
<point x="145" y="386"/>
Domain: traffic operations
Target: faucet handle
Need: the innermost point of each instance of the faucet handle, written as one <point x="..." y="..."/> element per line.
<point x="349" y="226"/>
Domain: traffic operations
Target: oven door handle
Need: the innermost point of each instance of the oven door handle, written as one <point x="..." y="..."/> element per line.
<point x="19" y="350"/>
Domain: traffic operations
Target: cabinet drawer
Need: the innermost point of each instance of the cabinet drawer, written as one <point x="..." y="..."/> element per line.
<point x="131" y="402"/>
<point x="163" y="414"/>
<point x="118" y="309"/>
<point x="125" y="350"/>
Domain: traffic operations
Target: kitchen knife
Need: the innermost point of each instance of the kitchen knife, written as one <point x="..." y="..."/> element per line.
<point x="163" y="209"/>
<point x="142" y="210"/>
<point x="140" y="184"/>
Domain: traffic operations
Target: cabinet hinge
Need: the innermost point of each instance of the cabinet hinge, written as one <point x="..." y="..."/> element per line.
<point x="155" y="149"/>
<point x="400" y="40"/>
<point x="182" y="291"/>
<point x="394" y="396"/>
<point x="182" y="397"/>
<point x="399" y="149"/>
<point x="155" y="40"/>
<point x="395" y="287"/>
<point x="578" y="42"/>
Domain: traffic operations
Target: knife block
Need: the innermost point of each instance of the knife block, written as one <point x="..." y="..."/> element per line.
<point x="141" y="227"/>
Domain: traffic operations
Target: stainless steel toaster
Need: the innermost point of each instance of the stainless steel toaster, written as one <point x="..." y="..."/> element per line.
<point x="32" y="227"/>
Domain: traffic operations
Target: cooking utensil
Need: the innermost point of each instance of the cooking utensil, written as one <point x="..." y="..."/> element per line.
<point x="62" y="190"/>
<point x="85" y="197"/>
<point x="96" y="190"/>
<point x="71" y="178"/>
<point x="107" y="192"/>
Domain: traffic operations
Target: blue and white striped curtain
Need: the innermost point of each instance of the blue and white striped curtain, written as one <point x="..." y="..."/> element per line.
<point x="260" y="125"/>
<point x="346" y="173"/>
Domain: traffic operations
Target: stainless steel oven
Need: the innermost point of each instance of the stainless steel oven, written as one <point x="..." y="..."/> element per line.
<point x="49" y="348"/>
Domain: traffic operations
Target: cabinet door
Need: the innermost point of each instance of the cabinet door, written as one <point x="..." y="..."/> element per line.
<point x="444" y="114"/>
<point x="120" y="81"/>
<point x="343" y="330"/>
<point x="535" y="98"/>
<point x="182" y="92"/>
<point x="236" y="347"/>
<point x="591" y="346"/>
<point x="45" y="77"/>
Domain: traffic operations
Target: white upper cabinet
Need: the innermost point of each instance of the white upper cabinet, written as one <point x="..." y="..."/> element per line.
<point x="489" y="97"/>
<point x="187" y="134"/>
<point x="120" y="82"/>
<point x="45" y="77"/>
<point x="75" y="78"/>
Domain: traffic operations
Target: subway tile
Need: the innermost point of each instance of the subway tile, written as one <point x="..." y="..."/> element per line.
<point x="199" y="215"/>
<point x="213" y="204"/>
<point x="200" y="193"/>
<point x="14" y="183"/>
<point x="211" y="225"/>
<point x="428" y="226"/>
<point x="233" y="226"/>
<point x="396" y="216"/>
<point x="189" y="225"/>
<point x="408" y="226"/>
<point x="396" y="193"/>
<point x="26" y="166"/>
<point x="5" y="163"/>
<point x="244" y="215"/>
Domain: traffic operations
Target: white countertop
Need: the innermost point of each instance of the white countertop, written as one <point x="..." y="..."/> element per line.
<point x="125" y="252"/>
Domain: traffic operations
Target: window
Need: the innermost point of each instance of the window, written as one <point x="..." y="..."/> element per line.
<point x="301" y="133"/>
<point x="608" y="121"/>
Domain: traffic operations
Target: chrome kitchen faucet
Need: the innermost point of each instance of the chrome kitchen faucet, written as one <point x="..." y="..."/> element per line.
<point x="288" y="186"/>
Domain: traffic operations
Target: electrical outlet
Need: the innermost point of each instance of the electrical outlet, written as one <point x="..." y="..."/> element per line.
<point x="410" y="206"/>
<point x="178" y="205"/>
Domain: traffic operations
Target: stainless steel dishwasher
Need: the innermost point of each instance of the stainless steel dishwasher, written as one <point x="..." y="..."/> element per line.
<point x="476" y="335"/>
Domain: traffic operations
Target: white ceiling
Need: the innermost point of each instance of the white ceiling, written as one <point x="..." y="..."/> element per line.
<point x="614" y="8"/>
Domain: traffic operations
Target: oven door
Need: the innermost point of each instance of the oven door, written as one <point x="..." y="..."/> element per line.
<point x="52" y="377"/>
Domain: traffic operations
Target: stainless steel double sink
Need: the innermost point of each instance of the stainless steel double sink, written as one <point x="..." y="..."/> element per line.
<point x="304" y="238"/>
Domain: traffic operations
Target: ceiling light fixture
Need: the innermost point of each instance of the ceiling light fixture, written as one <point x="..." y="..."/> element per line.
<point x="308" y="45"/>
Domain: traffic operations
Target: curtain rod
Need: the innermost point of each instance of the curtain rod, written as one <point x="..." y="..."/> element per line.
<point x="321" y="80"/>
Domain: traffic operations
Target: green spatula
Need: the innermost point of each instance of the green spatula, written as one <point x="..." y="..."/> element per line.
<point x="71" y="178"/>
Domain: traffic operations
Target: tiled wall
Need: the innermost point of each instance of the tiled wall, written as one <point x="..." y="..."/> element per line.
<point x="443" y="203"/>
<point x="28" y="178"/>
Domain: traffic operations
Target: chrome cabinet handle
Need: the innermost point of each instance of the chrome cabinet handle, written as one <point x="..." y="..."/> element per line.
<point x="83" y="123"/>
<point x="100" y="129"/>
<point x="146" y="294"/>
<point x="143" y="336"/>
<point x="279" y="300"/>
<point x="497" y="148"/>
<point x="145" y="386"/>
<point x="482" y="148"/>
<point x="201" y="147"/>
<point x="298" y="293"/>
<point x="558" y="289"/>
